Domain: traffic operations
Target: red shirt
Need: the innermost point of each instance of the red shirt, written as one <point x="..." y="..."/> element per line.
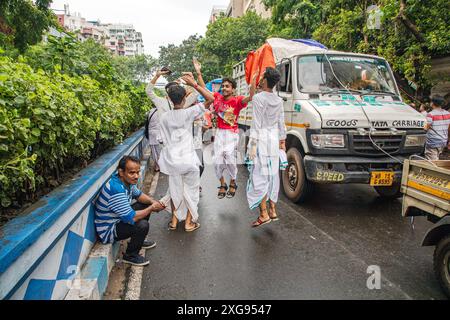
<point x="221" y="105"/>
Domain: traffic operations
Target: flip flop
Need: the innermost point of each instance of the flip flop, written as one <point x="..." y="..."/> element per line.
<point x="259" y="222"/>
<point x="196" y="226"/>
<point x="171" y="228"/>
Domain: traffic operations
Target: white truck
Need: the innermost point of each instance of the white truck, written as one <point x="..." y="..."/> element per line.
<point x="345" y="119"/>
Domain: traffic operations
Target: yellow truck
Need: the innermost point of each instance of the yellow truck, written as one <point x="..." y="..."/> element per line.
<point x="426" y="192"/>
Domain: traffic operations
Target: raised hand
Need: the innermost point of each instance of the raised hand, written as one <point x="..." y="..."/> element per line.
<point x="189" y="79"/>
<point x="162" y="72"/>
<point x="197" y="65"/>
<point x="190" y="74"/>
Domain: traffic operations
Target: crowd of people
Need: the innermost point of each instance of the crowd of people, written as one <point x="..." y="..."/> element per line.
<point x="174" y="131"/>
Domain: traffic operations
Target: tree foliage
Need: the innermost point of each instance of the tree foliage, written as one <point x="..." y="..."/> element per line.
<point x="22" y="22"/>
<point x="295" y="18"/>
<point x="178" y="58"/>
<point x="135" y="68"/>
<point x="62" y="103"/>
<point x="412" y="31"/>
<point x="229" y="40"/>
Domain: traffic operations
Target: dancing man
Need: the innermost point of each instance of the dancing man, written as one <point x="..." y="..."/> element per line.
<point x="227" y="107"/>
<point x="267" y="138"/>
<point x="178" y="158"/>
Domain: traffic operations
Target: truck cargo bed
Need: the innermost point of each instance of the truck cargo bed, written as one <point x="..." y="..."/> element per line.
<point x="426" y="186"/>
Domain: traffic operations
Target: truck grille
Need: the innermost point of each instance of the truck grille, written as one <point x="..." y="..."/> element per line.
<point x="362" y="145"/>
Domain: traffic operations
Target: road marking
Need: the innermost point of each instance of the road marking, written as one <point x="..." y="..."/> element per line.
<point x="389" y="282"/>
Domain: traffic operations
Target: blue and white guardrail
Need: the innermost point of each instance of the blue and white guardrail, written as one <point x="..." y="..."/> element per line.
<point x="44" y="249"/>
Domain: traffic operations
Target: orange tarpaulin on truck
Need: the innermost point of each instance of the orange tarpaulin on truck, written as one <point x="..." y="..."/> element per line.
<point x="259" y="60"/>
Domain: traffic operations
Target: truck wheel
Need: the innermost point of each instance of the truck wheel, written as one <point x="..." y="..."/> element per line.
<point x="392" y="192"/>
<point x="441" y="263"/>
<point x="295" y="184"/>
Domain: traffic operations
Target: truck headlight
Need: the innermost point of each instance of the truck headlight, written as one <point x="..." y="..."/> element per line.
<point x="415" y="140"/>
<point x="328" y="141"/>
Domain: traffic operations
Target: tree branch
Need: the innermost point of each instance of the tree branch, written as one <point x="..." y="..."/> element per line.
<point x="408" y="23"/>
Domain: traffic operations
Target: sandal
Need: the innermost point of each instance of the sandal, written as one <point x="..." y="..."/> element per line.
<point x="259" y="222"/>
<point x="273" y="218"/>
<point x="230" y="194"/>
<point x="222" y="194"/>
<point x="171" y="227"/>
<point x="195" y="227"/>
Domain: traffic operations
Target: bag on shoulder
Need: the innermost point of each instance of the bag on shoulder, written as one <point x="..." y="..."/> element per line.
<point x="147" y="123"/>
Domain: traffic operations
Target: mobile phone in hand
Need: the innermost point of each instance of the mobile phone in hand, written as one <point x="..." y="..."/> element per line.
<point x="165" y="69"/>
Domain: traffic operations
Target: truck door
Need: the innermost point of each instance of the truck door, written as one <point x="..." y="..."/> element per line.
<point x="284" y="89"/>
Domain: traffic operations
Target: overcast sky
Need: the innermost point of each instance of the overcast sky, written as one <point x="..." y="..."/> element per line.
<point x="160" y="21"/>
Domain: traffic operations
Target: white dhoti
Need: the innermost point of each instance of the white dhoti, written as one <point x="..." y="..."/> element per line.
<point x="263" y="181"/>
<point x="184" y="192"/>
<point x="225" y="153"/>
<point x="267" y="130"/>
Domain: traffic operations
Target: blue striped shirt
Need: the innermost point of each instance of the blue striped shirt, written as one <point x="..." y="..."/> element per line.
<point x="112" y="206"/>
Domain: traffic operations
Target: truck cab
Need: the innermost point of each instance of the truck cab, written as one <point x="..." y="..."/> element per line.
<point x="345" y="120"/>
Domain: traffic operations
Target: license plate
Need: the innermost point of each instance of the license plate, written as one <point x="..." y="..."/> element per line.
<point x="381" y="178"/>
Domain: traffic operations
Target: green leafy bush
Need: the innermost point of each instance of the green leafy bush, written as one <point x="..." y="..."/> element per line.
<point x="54" y="116"/>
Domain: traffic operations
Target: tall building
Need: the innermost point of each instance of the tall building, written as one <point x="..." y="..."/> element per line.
<point x="124" y="40"/>
<point x="216" y="12"/>
<point x="120" y="39"/>
<point x="238" y="8"/>
<point x="71" y="22"/>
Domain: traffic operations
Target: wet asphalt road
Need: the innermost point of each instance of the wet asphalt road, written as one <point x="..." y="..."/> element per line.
<point x="320" y="250"/>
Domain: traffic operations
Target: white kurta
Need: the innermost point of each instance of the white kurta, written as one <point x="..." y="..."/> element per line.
<point x="179" y="160"/>
<point x="267" y="129"/>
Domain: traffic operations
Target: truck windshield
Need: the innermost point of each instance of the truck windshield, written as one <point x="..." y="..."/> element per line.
<point x="336" y="73"/>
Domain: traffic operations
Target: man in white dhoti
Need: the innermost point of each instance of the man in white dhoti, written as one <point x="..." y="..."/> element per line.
<point x="162" y="105"/>
<point x="178" y="158"/>
<point x="267" y="137"/>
